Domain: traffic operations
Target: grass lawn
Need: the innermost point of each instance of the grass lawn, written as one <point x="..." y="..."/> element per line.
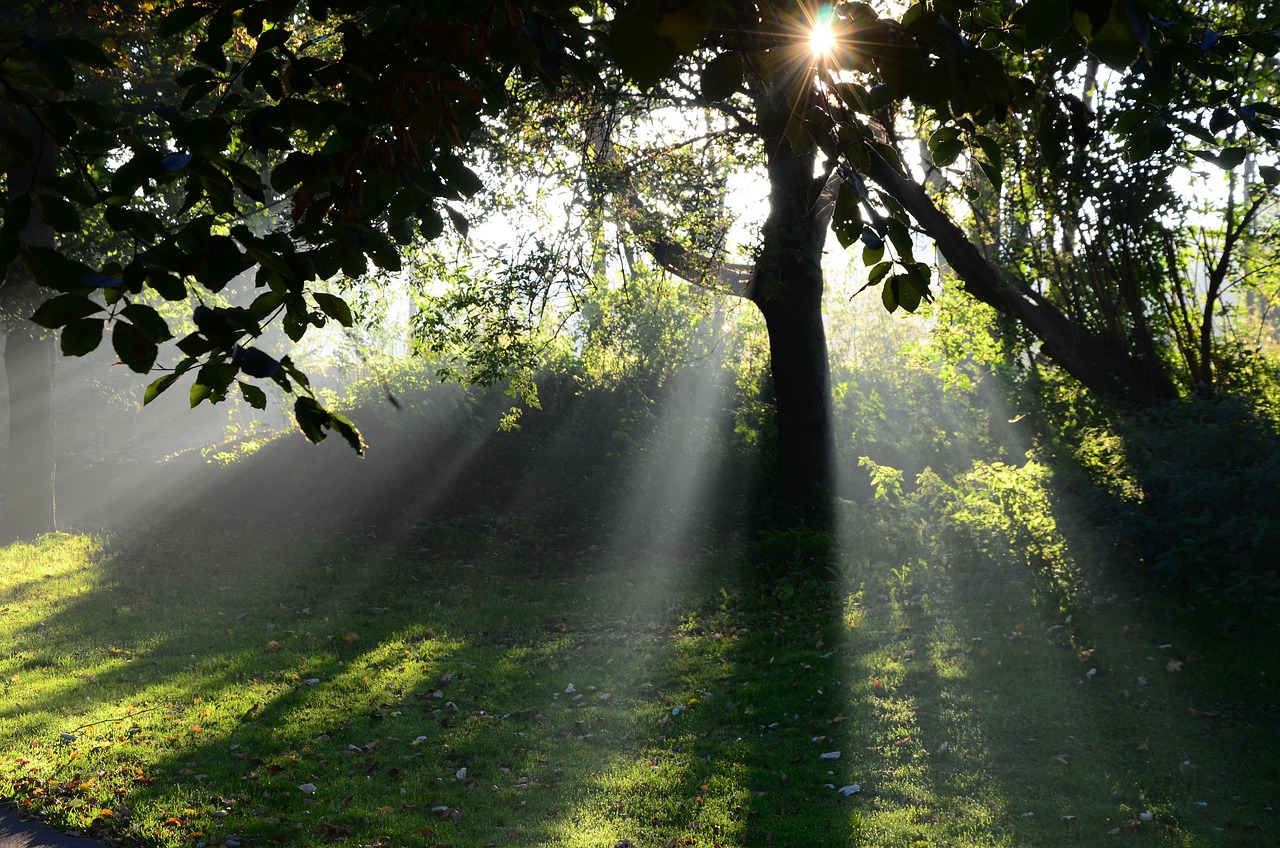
<point x="419" y="689"/>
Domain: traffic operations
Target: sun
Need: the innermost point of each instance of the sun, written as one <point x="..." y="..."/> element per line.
<point x="822" y="35"/>
<point x="822" y="38"/>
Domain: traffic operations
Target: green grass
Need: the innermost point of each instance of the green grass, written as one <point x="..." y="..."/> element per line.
<point x="179" y="689"/>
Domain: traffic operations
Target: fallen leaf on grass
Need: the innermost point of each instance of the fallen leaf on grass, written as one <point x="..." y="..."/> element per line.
<point x="273" y="646"/>
<point x="1173" y="665"/>
<point x="308" y="788"/>
<point x="1061" y="759"/>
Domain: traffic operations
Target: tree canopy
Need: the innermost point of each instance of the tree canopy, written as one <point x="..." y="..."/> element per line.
<point x="309" y="142"/>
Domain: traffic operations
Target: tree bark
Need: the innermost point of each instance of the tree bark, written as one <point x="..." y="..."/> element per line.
<point x="786" y="284"/>
<point x="787" y="287"/>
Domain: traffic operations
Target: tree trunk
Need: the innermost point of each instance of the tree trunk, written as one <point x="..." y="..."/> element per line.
<point x="787" y="287"/>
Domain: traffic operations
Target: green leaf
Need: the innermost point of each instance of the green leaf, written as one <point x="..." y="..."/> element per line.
<point x="722" y="76"/>
<point x="846" y="219"/>
<point x="62" y="216"/>
<point x="196" y="344"/>
<point x="991" y="149"/>
<point x="431" y="224"/>
<point x="889" y="294"/>
<point x="95" y="142"/>
<point x="252" y="395"/>
<point x="908" y="294"/>
<point x="193" y="75"/>
<point x="459" y="177"/>
<point x="335" y="307"/>
<point x="347" y="430"/>
<point x="92" y="113"/>
<point x="165" y="284"/>
<point x="54" y="271"/>
<point x="180" y="19"/>
<point x="797" y="133"/>
<point x="17" y="213"/>
<point x="212" y="382"/>
<point x="64" y="309"/>
<point x="947" y="152"/>
<point x="314" y="420"/>
<point x="1270" y="175"/>
<point x="158" y="387"/>
<point x="1043" y="21"/>
<point x="877" y="273"/>
<point x="81" y="51"/>
<point x="148" y="321"/>
<point x="1231" y="157"/>
<point x="460" y="222"/>
<point x="51" y="65"/>
<point x="640" y="52"/>
<point x="901" y="238"/>
<point x="72" y="189"/>
<point x="133" y="347"/>
<point x="685" y="24"/>
<point x="1110" y="28"/>
<point x="200" y="392"/>
<point x="82" y="336"/>
<point x="901" y="64"/>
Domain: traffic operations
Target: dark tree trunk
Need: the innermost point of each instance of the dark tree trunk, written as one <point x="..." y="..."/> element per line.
<point x="787" y="287"/>
<point x="786" y="284"/>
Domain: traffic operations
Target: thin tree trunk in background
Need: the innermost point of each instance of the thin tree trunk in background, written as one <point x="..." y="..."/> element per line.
<point x="29" y="505"/>
<point x="28" y="483"/>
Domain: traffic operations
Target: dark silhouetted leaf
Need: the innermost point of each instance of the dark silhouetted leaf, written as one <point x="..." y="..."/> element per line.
<point x="81" y="337"/>
<point x="254" y="362"/>
<point x="63" y="309"/>
<point x="335" y="307"/>
<point x="62" y="216"/>
<point x="252" y="395"/>
<point x="133" y="347"/>
<point x="722" y="76"/>
<point x="148" y="321"/>
<point x="181" y="18"/>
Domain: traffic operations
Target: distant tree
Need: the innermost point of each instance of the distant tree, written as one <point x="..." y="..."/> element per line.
<point x="353" y="120"/>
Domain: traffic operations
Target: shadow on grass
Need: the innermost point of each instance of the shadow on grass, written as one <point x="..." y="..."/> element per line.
<point x="282" y="656"/>
<point x="1000" y="711"/>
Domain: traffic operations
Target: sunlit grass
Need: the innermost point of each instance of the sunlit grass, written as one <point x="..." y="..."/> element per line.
<point x="384" y="699"/>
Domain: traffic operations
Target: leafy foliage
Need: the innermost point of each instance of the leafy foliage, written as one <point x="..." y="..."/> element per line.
<point x="360" y="117"/>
